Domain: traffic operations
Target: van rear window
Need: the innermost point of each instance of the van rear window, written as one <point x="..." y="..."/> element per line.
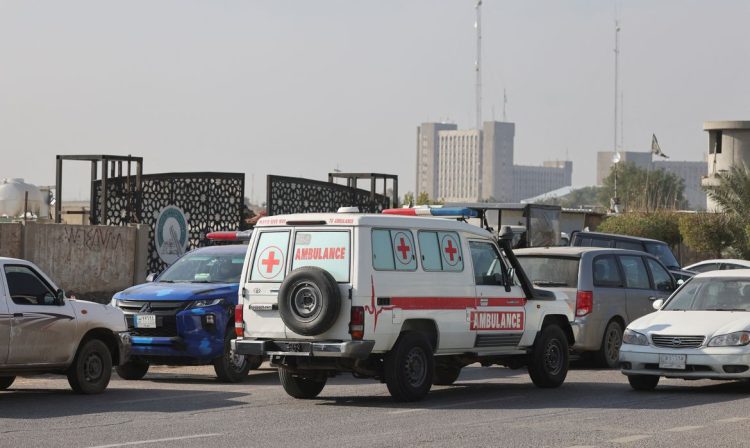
<point x="551" y="271"/>
<point x="270" y="257"/>
<point x="328" y="250"/>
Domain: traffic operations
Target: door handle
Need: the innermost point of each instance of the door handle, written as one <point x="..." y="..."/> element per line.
<point x="652" y="298"/>
<point x="17" y="314"/>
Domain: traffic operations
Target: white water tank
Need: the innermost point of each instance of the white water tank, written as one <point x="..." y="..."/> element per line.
<point x="13" y="196"/>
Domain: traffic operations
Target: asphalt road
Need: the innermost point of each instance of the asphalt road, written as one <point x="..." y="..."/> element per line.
<point x="186" y="407"/>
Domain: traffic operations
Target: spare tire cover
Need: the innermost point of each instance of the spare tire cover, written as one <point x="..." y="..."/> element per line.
<point x="309" y="301"/>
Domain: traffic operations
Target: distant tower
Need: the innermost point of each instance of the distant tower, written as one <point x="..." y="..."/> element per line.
<point x="478" y="65"/>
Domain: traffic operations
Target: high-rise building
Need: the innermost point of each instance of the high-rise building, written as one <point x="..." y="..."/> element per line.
<point x="691" y="172"/>
<point x="470" y="165"/>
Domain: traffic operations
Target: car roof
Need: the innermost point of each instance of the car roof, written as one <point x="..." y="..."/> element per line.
<point x="722" y="260"/>
<point x="725" y="273"/>
<point x="240" y="249"/>
<point x="576" y="251"/>
<point x="371" y="220"/>
<point x="12" y="260"/>
<point x="618" y="236"/>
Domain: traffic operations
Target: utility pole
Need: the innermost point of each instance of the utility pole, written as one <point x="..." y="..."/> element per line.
<point x="616" y="158"/>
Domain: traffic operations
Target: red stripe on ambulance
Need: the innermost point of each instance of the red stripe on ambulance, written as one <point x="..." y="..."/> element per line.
<point x="453" y="303"/>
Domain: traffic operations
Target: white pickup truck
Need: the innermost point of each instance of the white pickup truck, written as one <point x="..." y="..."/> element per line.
<point x="43" y="332"/>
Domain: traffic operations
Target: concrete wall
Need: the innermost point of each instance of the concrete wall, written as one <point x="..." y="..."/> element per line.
<point x="11" y="240"/>
<point x="90" y="262"/>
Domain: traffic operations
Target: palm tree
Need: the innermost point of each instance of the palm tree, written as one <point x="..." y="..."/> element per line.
<point x="732" y="195"/>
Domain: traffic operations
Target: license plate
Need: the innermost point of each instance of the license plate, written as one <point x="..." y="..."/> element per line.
<point x="300" y="347"/>
<point x="145" y="321"/>
<point x="672" y="361"/>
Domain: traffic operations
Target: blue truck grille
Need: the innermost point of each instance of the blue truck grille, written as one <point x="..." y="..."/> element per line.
<point x="165" y="312"/>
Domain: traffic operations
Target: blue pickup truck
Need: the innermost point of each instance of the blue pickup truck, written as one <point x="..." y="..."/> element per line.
<point x="185" y="316"/>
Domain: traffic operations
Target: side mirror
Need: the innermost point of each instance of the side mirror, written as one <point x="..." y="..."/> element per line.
<point x="658" y="303"/>
<point x="60" y="297"/>
<point x="151" y="277"/>
<point x="503" y="279"/>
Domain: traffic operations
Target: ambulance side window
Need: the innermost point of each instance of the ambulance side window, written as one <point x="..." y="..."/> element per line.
<point x="393" y="250"/>
<point x="487" y="263"/>
<point x="441" y="251"/>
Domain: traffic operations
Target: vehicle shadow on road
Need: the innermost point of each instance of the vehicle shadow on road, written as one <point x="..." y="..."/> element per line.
<point x="36" y="403"/>
<point x="260" y="376"/>
<point x="571" y="395"/>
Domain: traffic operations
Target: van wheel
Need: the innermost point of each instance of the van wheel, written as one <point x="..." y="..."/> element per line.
<point x="300" y="386"/>
<point x="409" y="367"/>
<point x="91" y="368"/>
<point x="6" y="381"/>
<point x="548" y="363"/>
<point x="608" y="354"/>
<point x="132" y="370"/>
<point x="231" y="367"/>
<point x="446" y="375"/>
<point x="309" y="301"/>
<point x="643" y="382"/>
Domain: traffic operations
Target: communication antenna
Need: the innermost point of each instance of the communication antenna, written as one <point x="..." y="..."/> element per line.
<point x="617" y="79"/>
<point x="478" y="65"/>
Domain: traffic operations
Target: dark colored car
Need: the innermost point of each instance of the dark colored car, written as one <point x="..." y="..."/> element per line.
<point x="657" y="248"/>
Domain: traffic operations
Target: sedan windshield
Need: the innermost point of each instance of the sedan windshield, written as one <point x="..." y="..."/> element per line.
<point x="664" y="254"/>
<point x="712" y="294"/>
<point x="205" y="267"/>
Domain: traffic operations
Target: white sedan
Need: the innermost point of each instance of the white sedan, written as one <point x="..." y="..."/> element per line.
<point x="717" y="265"/>
<point x="701" y="331"/>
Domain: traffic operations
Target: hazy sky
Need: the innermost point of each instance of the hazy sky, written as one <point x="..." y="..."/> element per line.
<point x="302" y="87"/>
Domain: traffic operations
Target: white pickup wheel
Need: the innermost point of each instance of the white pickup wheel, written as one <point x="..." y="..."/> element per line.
<point x="132" y="370"/>
<point x="91" y="368"/>
<point x="6" y="381"/>
<point x="409" y="367"/>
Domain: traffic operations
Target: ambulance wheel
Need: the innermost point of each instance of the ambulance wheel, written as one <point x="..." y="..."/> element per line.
<point x="231" y="367"/>
<point x="643" y="382"/>
<point x="309" y="301"/>
<point x="91" y="368"/>
<point x="446" y="375"/>
<point x="134" y="369"/>
<point x="409" y="367"/>
<point x="299" y="386"/>
<point x="548" y="363"/>
<point x="6" y="381"/>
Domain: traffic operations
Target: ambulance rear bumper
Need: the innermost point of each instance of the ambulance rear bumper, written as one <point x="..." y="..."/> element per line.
<point x="323" y="349"/>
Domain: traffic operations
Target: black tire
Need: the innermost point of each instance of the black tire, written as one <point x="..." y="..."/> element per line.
<point x="643" y="382"/>
<point x="409" y="367"/>
<point x="254" y="361"/>
<point x="609" y="352"/>
<point x="548" y="363"/>
<point x="309" y="301"/>
<point x="6" y="381"/>
<point x="134" y="369"/>
<point x="299" y="386"/>
<point x="91" y="368"/>
<point x="230" y="367"/>
<point x="445" y="375"/>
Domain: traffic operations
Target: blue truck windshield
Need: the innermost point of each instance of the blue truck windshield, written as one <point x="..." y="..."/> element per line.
<point x="205" y="268"/>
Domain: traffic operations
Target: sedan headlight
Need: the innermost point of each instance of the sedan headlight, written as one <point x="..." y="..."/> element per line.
<point x="729" y="340"/>
<point x="206" y="302"/>
<point x="634" y="338"/>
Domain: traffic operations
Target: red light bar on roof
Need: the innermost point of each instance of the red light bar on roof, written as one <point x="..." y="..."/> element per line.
<point x="230" y="236"/>
<point x="444" y="212"/>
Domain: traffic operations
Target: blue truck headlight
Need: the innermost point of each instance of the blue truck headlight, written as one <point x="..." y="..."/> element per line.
<point x="206" y="302"/>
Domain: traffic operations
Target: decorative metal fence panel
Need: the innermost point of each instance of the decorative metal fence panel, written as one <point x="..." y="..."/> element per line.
<point x="297" y="195"/>
<point x="208" y="201"/>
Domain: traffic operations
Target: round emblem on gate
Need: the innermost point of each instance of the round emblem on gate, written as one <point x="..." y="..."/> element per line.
<point x="676" y="342"/>
<point x="171" y="234"/>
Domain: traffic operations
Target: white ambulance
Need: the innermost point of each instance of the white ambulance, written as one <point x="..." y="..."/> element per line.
<point x="408" y="300"/>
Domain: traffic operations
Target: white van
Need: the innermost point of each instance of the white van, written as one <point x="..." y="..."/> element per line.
<point x="404" y="299"/>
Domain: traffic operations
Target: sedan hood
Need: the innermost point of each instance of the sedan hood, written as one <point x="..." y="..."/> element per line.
<point x="706" y="323"/>
<point x="176" y="291"/>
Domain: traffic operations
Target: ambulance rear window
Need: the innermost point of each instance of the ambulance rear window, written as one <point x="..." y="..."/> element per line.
<point x="270" y="257"/>
<point x="328" y="250"/>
